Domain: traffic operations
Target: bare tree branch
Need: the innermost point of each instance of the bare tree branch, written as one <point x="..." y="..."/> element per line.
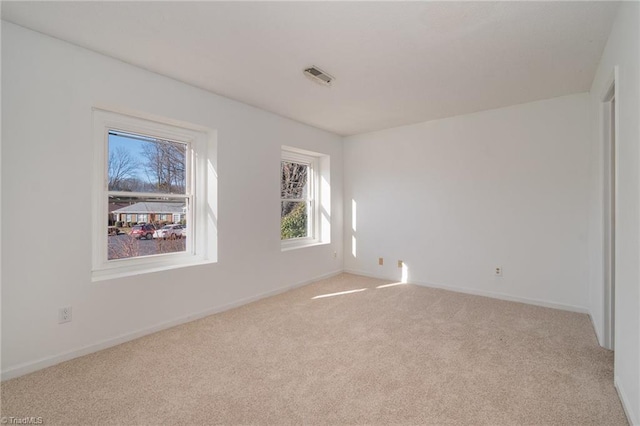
<point x="122" y="169"/>
<point x="165" y="166"/>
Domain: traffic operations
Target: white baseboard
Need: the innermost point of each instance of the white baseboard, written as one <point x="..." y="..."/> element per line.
<point x="599" y="338"/>
<point x="494" y="295"/>
<point x="626" y="405"/>
<point x="370" y="275"/>
<point x="30" y="367"/>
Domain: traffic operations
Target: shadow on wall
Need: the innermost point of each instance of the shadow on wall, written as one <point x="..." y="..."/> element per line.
<point x="353" y="228"/>
<point x="404" y="277"/>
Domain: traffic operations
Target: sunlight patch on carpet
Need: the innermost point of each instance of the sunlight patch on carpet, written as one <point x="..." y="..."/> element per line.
<point x="322" y="296"/>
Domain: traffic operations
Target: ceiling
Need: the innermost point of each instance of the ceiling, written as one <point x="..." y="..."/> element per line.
<point x="394" y="63"/>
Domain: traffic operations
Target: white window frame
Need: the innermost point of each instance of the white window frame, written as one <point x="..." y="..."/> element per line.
<point x="201" y="241"/>
<point x="318" y="197"/>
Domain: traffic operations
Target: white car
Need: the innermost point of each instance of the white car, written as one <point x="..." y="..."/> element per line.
<point x="169" y="231"/>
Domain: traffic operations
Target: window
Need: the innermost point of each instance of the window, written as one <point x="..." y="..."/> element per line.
<point x="147" y="173"/>
<point x="304" y="198"/>
<point x="146" y="176"/>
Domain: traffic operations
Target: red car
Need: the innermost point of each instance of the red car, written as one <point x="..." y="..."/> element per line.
<point x="145" y="230"/>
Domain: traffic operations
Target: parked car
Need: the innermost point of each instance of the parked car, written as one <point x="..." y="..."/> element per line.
<point x="184" y="231"/>
<point x="113" y="230"/>
<point x="145" y="230"/>
<point x="169" y="231"/>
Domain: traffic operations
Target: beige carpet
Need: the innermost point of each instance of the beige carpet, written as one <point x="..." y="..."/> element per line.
<point x="400" y="354"/>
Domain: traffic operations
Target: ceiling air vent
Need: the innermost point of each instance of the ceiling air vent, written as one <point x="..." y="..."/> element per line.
<point x="319" y="76"/>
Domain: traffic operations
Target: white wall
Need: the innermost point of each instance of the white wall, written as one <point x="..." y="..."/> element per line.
<point x="455" y="198"/>
<point x="48" y="89"/>
<point x="622" y="50"/>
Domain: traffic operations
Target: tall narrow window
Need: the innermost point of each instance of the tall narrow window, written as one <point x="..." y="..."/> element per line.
<point x="302" y="198"/>
<point x="154" y="197"/>
<point x="296" y="203"/>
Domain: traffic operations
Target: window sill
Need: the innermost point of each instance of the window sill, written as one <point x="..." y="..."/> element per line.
<point x="133" y="270"/>
<point x="288" y="246"/>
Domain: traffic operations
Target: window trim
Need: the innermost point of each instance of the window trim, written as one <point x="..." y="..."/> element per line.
<point x="317" y="197"/>
<point x="201" y="235"/>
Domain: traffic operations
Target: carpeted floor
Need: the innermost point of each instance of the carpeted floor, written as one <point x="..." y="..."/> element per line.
<point x="381" y="354"/>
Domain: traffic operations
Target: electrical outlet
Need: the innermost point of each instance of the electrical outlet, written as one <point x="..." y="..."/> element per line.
<point x="498" y="271"/>
<point x="400" y="263"/>
<point x="64" y="315"/>
<point x="335" y="254"/>
<point x="380" y="261"/>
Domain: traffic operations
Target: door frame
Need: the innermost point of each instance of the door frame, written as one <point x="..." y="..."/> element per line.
<point x="609" y="121"/>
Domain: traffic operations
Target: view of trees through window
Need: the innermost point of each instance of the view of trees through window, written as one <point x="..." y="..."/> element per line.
<point x="294" y="194"/>
<point x="148" y="200"/>
<point x="144" y="164"/>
